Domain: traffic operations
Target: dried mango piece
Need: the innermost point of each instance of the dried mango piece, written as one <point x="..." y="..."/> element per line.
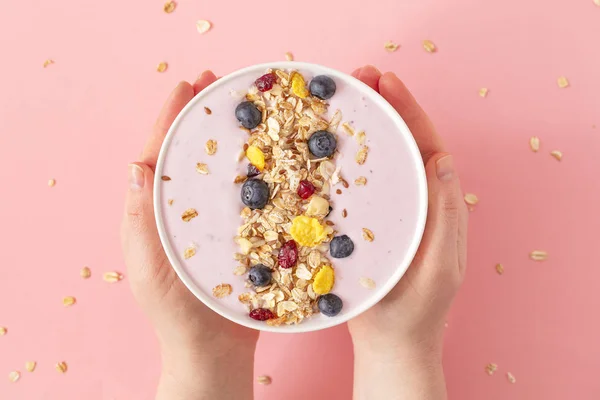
<point x="256" y="157"/>
<point x="323" y="280"/>
<point x="307" y="231"/>
<point x="299" y="85"/>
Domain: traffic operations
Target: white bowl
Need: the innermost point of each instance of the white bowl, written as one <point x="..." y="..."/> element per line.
<point x="393" y="204"/>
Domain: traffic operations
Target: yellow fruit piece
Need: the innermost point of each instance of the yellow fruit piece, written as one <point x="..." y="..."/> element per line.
<point x="323" y="280"/>
<point x="307" y="231"/>
<point x="256" y="157"/>
<point x="299" y="86"/>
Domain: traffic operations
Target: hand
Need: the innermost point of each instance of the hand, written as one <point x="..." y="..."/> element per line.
<point x="195" y="341"/>
<point x="405" y="329"/>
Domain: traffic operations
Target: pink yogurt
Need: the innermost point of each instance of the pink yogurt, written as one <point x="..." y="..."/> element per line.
<point x="392" y="204"/>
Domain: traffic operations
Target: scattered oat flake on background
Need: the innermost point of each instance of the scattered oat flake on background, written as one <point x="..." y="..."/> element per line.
<point x="499" y="269"/>
<point x="361" y="156"/>
<point x="597" y="2"/>
<point x="85" y="272"/>
<point x="360" y="137"/>
<point x="170" y="202"/>
<point x="165" y="178"/>
<point x="30" y="366"/>
<point x="189" y="252"/>
<point x="14" y="376"/>
<point x="162" y="67"/>
<point x="222" y="290"/>
<point x="483" y="92"/>
<point x="203" y="26"/>
<point x="3" y="331"/>
<point x="207" y="110"/>
<point x="61" y="367"/>
<point x="471" y="199"/>
<point x="534" y="143"/>
<point x="289" y="56"/>
<point x="509" y="376"/>
<point x="390" y="46"/>
<point x="348" y="128"/>
<point x="169" y="7"/>
<point x="538" y="255"/>
<point x="51" y="182"/>
<point x="368" y="235"/>
<point x="491" y="368"/>
<point x="360" y="181"/>
<point x="211" y="147"/>
<point x="264" y="380"/>
<point x="556" y="154"/>
<point x="563" y="82"/>
<point x="429" y="46"/>
<point x="189" y="214"/>
<point x="48" y="63"/>
<point x="202" y="168"/>
<point x="112" y="277"/>
<point x="367" y="282"/>
<point x="69" y="301"/>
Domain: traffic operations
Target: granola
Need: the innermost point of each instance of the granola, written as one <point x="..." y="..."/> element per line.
<point x="289" y="233"/>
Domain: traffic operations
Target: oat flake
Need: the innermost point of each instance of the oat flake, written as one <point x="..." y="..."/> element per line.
<point x="112" y="277"/>
<point x="368" y="235"/>
<point x="30" y="366"/>
<point x="170" y="202"/>
<point x="361" y="156"/>
<point x="48" y="63"/>
<point x="556" y="154"/>
<point x="491" y="368"/>
<point x="429" y="46"/>
<point x="14" y="376"/>
<point x="69" y="301"/>
<point x="289" y="56"/>
<point x="361" y="137"/>
<point x="222" y="290"/>
<point x="483" y="92"/>
<point x="203" y="26"/>
<point x="162" y="67"/>
<point x="390" y="46"/>
<point x="534" y="143"/>
<point x="210" y="147"/>
<point x="471" y="199"/>
<point x="367" y="283"/>
<point x="509" y="376"/>
<point x="51" y="182"/>
<point x="538" y="255"/>
<point x="3" y="331"/>
<point x="360" y="181"/>
<point x="61" y="367"/>
<point x="499" y="269"/>
<point x="85" y="272"/>
<point x="169" y="7"/>
<point x="202" y="168"/>
<point x="264" y="380"/>
<point x="562" y="82"/>
<point x="189" y="252"/>
<point x="189" y="214"/>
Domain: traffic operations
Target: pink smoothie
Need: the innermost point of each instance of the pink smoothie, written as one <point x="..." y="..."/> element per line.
<point x="392" y="204"/>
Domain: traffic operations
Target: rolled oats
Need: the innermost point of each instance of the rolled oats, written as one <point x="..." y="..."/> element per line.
<point x="203" y="26"/>
<point x="361" y="156"/>
<point x="3" y="331"/>
<point x="360" y="181"/>
<point x="48" y="62"/>
<point x="471" y="199"/>
<point x="85" y="273"/>
<point x="534" y="143"/>
<point x="368" y="235"/>
<point x="491" y="368"/>
<point x="189" y="214"/>
<point x="390" y="46"/>
<point x="499" y="269"/>
<point x="61" y="367"/>
<point x="210" y="147"/>
<point x="556" y="154"/>
<point x="563" y="82"/>
<point x="348" y="128"/>
<point x="264" y="380"/>
<point x="69" y="301"/>
<point x="222" y="290"/>
<point x="170" y="202"/>
<point x="429" y="46"/>
<point x="483" y="92"/>
<point x="202" y="168"/>
<point x="14" y="376"/>
<point x="189" y="252"/>
<point x="538" y="255"/>
<point x="367" y="283"/>
<point x="509" y="376"/>
<point x="30" y="366"/>
<point x="112" y="277"/>
<point x="51" y="182"/>
<point x="162" y="67"/>
<point x="169" y="7"/>
<point x="289" y="56"/>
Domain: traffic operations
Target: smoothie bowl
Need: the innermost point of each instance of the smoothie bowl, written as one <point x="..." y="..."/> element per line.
<point x="290" y="197"/>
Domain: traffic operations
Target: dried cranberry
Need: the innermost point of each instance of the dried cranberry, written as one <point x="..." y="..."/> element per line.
<point x="261" y="314"/>
<point x="265" y="82"/>
<point x="305" y="189"/>
<point x="252" y="171"/>
<point x="288" y="254"/>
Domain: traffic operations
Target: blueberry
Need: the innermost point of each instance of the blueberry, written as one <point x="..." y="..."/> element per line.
<point x="330" y="304"/>
<point x="252" y="171"/>
<point x="248" y="115"/>
<point x="322" y="87"/>
<point x="260" y="275"/>
<point x="341" y="246"/>
<point x="322" y="144"/>
<point x="255" y="193"/>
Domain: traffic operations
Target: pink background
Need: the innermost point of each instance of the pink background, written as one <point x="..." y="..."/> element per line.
<point x="84" y="118"/>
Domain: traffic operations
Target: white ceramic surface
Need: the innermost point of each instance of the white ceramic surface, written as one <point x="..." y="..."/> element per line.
<point x="393" y="204"/>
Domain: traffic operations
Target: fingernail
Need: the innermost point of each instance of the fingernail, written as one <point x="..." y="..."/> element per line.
<point x="356" y="72"/>
<point x="136" y="177"/>
<point x="445" y="168"/>
<point x="369" y="69"/>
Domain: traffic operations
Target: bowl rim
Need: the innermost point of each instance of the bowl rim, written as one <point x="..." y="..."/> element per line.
<point x="402" y="265"/>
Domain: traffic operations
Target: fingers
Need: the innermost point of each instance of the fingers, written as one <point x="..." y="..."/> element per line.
<point x="205" y="79"/>
<point x="369" y="75"/>
<point x="141" y="243"/>
<point x="396" y="93"/>
<point x="178" y="98"/>
<point x="446" y="219"/>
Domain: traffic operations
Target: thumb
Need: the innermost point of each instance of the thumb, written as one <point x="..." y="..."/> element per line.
<point x="146" y="261"/>
<point x="439" y="248"/>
